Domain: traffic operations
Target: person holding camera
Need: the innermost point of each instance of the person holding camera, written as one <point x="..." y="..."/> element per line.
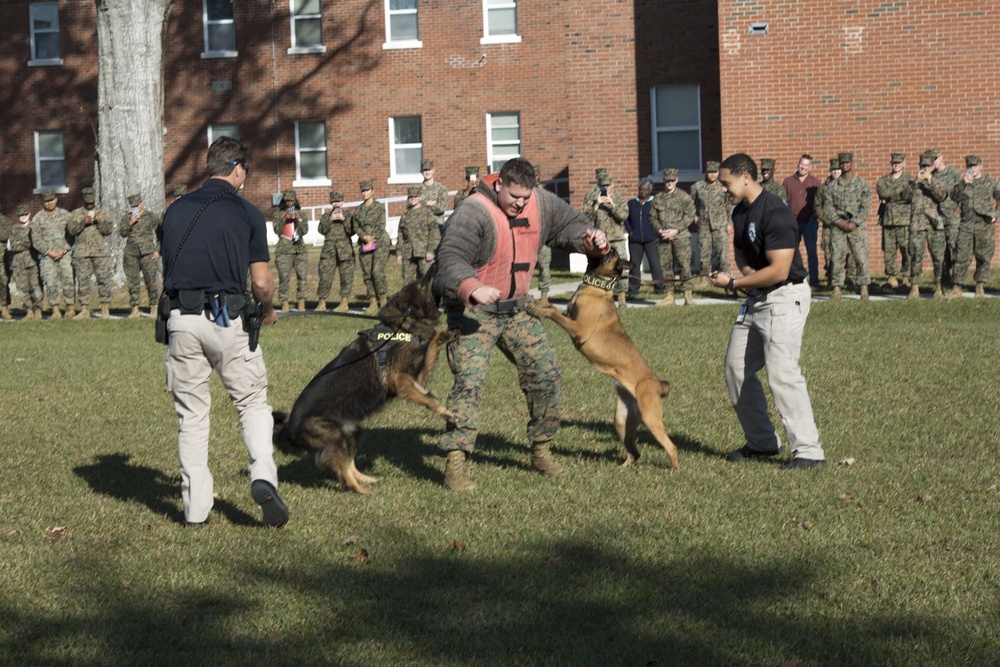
<point x="433" y="194"/>
<point x="471" y="183"/>
<point x="607" y="209"/>
<point x="290" y="253"/>
<point x="141" y="258"/>
<point x="337" y="256"/>
<point x="926" y="230"/>
<point x="212" y="239"/>
<point x="21" y="258"/>
<point x="978" y="197"/>
<point x="91" y="226"/>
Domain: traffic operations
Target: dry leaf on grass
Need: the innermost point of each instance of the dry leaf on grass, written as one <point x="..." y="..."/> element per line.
<point x="57" y="533"/>
<point x="846" y="496"/>
<point x="353" y="539"/>
<point x="926" y="498"/>
<point x="362" y="557"/>
<point x="848" y="461"/>
<point x="805" y="525"/>
<point x="794" y="662"/>
<point x="457" y="546"/>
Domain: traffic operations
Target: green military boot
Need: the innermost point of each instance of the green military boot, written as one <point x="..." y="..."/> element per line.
<point x="456" y="477"/>
<point x="84" y="314"/>
<point x="543" y="461"/>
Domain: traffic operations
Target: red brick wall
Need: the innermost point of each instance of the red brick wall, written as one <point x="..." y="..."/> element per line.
<point x="861" y="76"/>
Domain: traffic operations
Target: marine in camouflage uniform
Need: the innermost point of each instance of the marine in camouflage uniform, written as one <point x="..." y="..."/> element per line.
<point x="945" y="180"/>
<point x="608" y="213"/>
<point x="141" y="257"/>
<point x="368" y="222"/>
<point x="671" y="217"/>
<point x="418" y="237"/>
<point x="433" y="194"/>
<point x="767" y="166"/>
<point x="825" y="233"/>
<point x="848" y="203"/>
<point x="5" y="225"/>
<point x="337" y="256"/>
<point x="55" y="257"/>
<point x="895" y="194"/>
<point x="544" y="254"/>
<point x="977" y="196"/>
<point x="714" y="214"/>
<point x="91" y="226"/>
<point x="926" y="230"/>
<point x="290" y="253"/>
<point x="22" y="264"/>
<point x="471" y="182"/>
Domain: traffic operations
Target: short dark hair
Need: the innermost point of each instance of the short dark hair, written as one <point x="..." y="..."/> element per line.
<point x="518" y="170"/>
<point x="740" y="163"/>
<point x="645" y="181"/>
<point x="806" y="156"/>
<point x="224" y="154"/>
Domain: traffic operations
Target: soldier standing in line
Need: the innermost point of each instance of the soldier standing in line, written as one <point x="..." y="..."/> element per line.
<point x="418" y="237"/>
<point x="544" y="255"/>
<point x="142" y="231"/>
<point x="56" y="259"/>
<point x="767" y="166"/>
<point x="672" y="215"/>
<point x="848" y="202"/>
<point x="368" y="222"/>
<point x="977" y="195"/>
<point x="20" y="258"/>
<point x="337" y="256"/>
<point x="91" y="226"/>
<point x="607" y="210"/>
<point x="712" y="213"/>
<point x="895" y="194"/>
<point x="290" y="253"/>
<point x="945" y="180"/>
<point x="433" y="194"/>
<point x="471" y="183"/>
<point x="926" y="230"/>
<point x="5" y="225"/>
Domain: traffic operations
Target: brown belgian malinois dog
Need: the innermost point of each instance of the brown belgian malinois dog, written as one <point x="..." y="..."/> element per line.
<point x="393" y="359"/>
<point x="592" y="322"/>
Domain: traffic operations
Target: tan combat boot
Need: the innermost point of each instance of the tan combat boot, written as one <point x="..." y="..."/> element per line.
<point x="955" y="292"/>
<point x="71" y="312"/>
<point x="914" y="292"/>
<point x="341" y="307"/>
<point x="864" y="292"/>
<point x="621" y="300"/>
<point x="28" y="314"/>
<point x="135" y="314"/>
<point x="284" y="307"/>
<point x="38" y="314"/>
<point x="837" y="294"/>
<point x="456" y="477"/>
<point x="667" y="300"/>
<point x="321" y="306"/>
<point x="980" y="290"/>
<point x="154" y="311"/>
<point x="372" y="306"/>
<point x="938" y="294"/>
<point x="905" y="282"/>
<point x="56" y="313"/>
<point x="704" y="282"/>
<point x="543" y="461"/>
<point x="105" y="313"/>
<point x="892" y="282"/>
<point x="302" y="304"/>
<point x="688" y="297"/>
<point x="543" y="300"/>
<point x="4" y="313"/>
<point x="84" y="314"/>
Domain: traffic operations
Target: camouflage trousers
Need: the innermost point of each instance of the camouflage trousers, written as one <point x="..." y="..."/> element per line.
<point x="373" y="271"/>
<point x="975" y="239"/>
<point x="678" y="249"/>
<point x="57" y="277"/>
<point x="414" y="268"/>
<point x="24" y="272"/>
<point x="330" y="267"/>
<point x="824" y="243"/>
<point x="896" y="239"/>
<point x="522" y="339"/>
<point x="4" y="280"/>
<point x="99" y="268"/>
<point x="709" y="240"/>
<point x="849" y="243"/>
<point x="544" y="268"/>
<point x="139" y="270"/>
<point x="288" y="262"/>
<point x="951" y="230"/>
<point x="926" y="239"/>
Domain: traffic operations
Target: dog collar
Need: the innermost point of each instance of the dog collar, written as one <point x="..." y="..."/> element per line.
<point x="606" y="284"/>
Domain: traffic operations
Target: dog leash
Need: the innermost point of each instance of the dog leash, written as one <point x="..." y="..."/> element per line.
<point x="325" y="371"/>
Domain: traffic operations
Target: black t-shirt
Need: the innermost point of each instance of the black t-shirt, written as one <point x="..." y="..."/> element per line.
<point x="228" y="237"/>
<point x="767" y="224"/>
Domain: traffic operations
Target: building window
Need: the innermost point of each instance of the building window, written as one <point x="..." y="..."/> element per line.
<point x="676" y="114"/>
<point x="307" y="27"/>
<point x="499" y="22"/>
<point x="216" y="130"/>
<point x="310" y="153"/>
<point x="406" y="149"/>
<point x="50" y="160"/>
<point x="503" y="132"/>
<point x="219" y="29"/>
<point x="401" y="25"/>
<point x="44" y="23"/>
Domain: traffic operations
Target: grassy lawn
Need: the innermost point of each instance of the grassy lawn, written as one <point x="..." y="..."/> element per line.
<point x="892" y="560"/>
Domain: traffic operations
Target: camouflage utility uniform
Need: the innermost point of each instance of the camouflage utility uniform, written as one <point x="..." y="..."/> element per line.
<point x="610" y="220"/>
<point x="369" y="220"/>
<point x="23" y="267"/>
<point x="674" y="210"/>
<point x="337" y="256"/>
<point x="418" y="236"/>
<point x="849" y="200"/>
<point x="894" y="215"/>
<point x="942" y="184"/>
<point x="90" y="252"/>
<point x="5" y="225"/>
<point x="976" y="237"/>
<point x="926" y="233"/>
<point x="49" y="236"/>
<point x="291" y="255"/>
<point x="141" y="257"/>
<point x="775" y="188"/>
<point x="711" y="205"/>
<point x="435" y="197"/>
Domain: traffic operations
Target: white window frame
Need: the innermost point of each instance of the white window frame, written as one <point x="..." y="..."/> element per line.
<point x="205" y="22"/>
<point x="391" y="43"/>
<point x="60" y="188"/>
<point x="685" y="174"/>
<point x="490" y="144"/>
<point x="499" y="39"/>
<point x="300" y="181"/>
<point x="295" y="49"/>
<point x="394" y="177"/>
<point x="42" y="62"/>
<point x="214" y="133"/>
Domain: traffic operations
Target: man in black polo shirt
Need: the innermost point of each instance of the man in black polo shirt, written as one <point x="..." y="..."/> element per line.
<point x="768" y="329"/>
<point x="212" y="238"/>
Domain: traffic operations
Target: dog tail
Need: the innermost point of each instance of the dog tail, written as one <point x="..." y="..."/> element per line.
<point x="664" y="388"/>
<point x="280" y="434"/>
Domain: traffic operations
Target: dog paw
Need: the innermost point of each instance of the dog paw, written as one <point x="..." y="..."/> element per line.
<point x="448" y="415"/>
<point x="537" y="310"/>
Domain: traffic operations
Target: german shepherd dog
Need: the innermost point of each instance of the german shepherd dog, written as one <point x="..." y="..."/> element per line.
<point x="394" y="359"/>
<point x="592" y="322"/>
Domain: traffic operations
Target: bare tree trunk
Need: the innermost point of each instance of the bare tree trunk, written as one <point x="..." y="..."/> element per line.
<point x="130" y="107"/>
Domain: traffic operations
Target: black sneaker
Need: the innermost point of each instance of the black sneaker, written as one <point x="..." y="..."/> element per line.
<point x="265" y="495"/>
<point x="803" y="464"/>
<point x="744" y="453"/>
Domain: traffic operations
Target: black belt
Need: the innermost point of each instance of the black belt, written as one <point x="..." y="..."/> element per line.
<point x="196" y="302"/>
<point x="504" y="306"/>
<point x="764" y="291"/>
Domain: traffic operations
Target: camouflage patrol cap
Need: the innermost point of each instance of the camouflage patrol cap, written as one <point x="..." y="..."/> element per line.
<point x="88" y="195"/>
<point x="834" y="163"/>
<point x="47" y="195"/>
<point x="413" y="191"/>
<point x="670" y="174"/>
<point x="22" y="209"/>
<point x="845" y="157"/>
<point x="537" y="168"/>
<point x="134" y="200"/>
<point x="767" y="163"/>
<point x="365" y="185"/>
<point x="289" y="195"/>
<point x="711" y="165"/>
<point x="603" y="176"/>
<point x="896" y="158"/>
<point x="972" y="160"/>
<point x="336" y="196"/>
<point x="471" y="171"/>
<point x="926" y="160"/>
<point x="426" y="164"/>
<point x="180" y="190"/>
<point x="935" y="153"/>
